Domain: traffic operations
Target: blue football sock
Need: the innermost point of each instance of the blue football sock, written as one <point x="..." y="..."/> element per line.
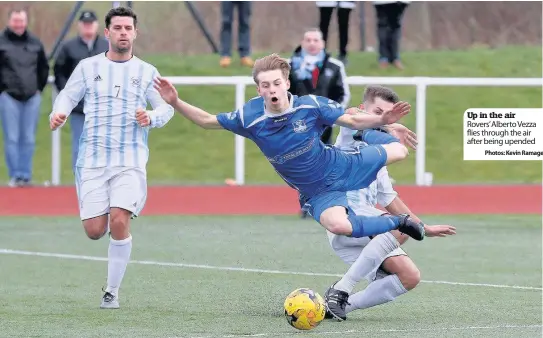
<point x="364" y="226"/>
<point x="371" y="136"/>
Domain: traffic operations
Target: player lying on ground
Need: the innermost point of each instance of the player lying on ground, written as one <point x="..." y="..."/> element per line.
<point x="287" y="130"/>
<point x="110" y="173"/>
<point x="390" y="273"/>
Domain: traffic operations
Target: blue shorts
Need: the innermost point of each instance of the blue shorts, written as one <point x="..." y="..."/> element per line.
<point x="358" y="170"/>
<point x="316" y="205"/>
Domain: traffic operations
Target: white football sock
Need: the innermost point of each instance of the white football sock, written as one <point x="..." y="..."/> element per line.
<point x="377" y="292"/>
<point x="370" y="259"/>
<point x="118" y="257"/>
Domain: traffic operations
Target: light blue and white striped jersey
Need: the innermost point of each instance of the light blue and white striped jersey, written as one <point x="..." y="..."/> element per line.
<point x="379" y="191"/>
<point x="112" y="92"/>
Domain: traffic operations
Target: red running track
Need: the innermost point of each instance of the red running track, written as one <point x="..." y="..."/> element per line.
<point x="278" y="200"/>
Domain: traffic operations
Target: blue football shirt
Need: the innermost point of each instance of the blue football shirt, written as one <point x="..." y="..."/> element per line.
<point x="291" y="140"/>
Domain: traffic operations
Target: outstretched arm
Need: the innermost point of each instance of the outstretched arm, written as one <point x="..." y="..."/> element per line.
<point x="406" y="137"/>
<point x="388" y="198"/>
<point x="199" y="116"/>
<point x="398" y="207"/>
<point x="368" y="121"/>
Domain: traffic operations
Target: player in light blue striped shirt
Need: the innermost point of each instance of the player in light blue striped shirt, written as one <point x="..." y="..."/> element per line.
<point x="110" y="171"/>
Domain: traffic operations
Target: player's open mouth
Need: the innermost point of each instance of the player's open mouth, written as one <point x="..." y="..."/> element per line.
<point x="274" y="100"/>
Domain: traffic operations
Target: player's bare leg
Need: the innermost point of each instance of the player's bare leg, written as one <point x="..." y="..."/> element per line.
<point x="120" y="247"/>
<point x="96" y="227"/>
<point x="367" y="263"/>
<point x="403" y="276"/>
<point x="370" y="259"/>
<point x="336" y="220"/>
<point x="405" y="269"/>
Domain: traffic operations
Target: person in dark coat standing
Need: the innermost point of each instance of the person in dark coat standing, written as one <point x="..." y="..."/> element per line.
<point x="244" y="32"/>
<point x="389" y="30"/>
<point x="313" y="71"/>
<point x="87" y="43"/>
<point x="344" y="9"/>
<point x="23" y="76"/>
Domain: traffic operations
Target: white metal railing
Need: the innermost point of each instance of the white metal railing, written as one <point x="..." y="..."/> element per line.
<point x="421" y="83"/>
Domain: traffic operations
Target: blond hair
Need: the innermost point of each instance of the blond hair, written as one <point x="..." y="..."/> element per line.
<point x="269" y="63"/>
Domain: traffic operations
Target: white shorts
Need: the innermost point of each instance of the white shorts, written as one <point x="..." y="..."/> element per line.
<point x="350" y="248"/>
<point x="99" y="189"/>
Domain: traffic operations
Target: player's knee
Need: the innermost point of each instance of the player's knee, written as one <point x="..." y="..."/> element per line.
<point x="341" y="228"/>
<point x="94" y="230"/>
<point x="335" y="220"/>
<point x="410" y="278"/>
<point x="396" y="152"/>
<point x="118" y="224"/>
<point x="337" y="226"/>
<point x="95" y="235"/>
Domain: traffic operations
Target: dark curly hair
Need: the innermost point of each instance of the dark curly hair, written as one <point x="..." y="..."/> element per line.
<point x="121" y="11"/>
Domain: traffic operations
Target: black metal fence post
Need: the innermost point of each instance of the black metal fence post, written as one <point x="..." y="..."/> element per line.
<point x="65" y="29"/>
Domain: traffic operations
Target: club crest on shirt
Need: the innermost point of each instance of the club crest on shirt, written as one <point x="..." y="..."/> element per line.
<point x="232" y="115"/>
<point x="299" y="126"/>
<point x="135" y="81"/>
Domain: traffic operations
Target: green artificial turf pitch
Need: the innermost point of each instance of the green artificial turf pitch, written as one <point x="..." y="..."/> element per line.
<point x="228" y="277"/>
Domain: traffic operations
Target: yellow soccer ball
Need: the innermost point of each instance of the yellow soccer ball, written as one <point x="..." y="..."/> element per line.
<point x="304" y="309"/>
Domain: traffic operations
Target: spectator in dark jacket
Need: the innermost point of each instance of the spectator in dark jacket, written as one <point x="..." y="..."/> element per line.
<point x="23" y="76"/>
<point x="389" y="30"/>
<point x="87" y="43"/>
<point x="313" y="71"/>
<point x="244" y="32"/>
<point x="344" y="9"/>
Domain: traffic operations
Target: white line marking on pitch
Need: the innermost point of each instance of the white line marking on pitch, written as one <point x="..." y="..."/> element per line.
<point x="226" y="268"/>
<point x="430" y="329"/>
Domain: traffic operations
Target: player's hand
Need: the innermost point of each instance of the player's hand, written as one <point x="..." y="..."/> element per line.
<point x="407" y="137"/>
<point x="143" y="118"/>
<point x="439" y="230"/>
<point x="166" y="90"/>
<point x="398" y="111"/>
<point x="57" y="120"/>
<point x="353" y="111"/>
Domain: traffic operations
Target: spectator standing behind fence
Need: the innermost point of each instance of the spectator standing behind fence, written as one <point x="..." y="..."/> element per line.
<point x="87" y="43"/>
<point x="389" y="30"/>
<point x="23" y="76"/>
<point x="313" y="71"/>
<point x="244" y="32"/>
<point x="344" y="8"/>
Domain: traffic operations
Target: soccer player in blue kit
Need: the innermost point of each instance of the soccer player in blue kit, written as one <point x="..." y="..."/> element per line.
<point x="287" y="130"/>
